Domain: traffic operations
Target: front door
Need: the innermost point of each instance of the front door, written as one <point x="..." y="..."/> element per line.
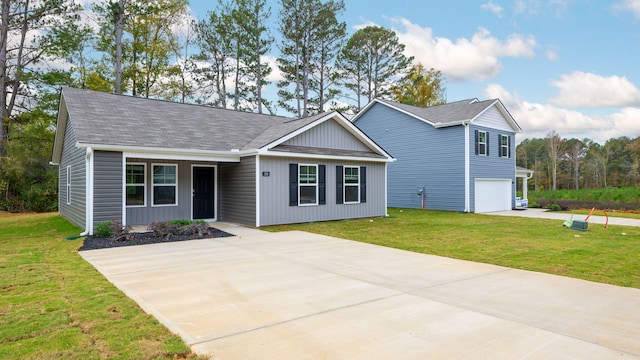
<point x="204" y="192"/>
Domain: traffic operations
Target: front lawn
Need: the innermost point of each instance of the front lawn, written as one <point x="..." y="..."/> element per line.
<point x="610" y="255"/>
<point x="55" y="305"/>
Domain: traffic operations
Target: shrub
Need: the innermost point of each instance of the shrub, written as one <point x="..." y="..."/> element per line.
<point x="103" y="230"/>
<point x="555" y="207"/>
<point x="112" y="229"/>
<point x="120" y="233"/>
<point x="167" y="229"/>
<point x="181" y="222"/>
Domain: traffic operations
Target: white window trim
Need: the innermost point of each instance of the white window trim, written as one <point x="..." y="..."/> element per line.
<point x="153" y="185"/>
<point x="344" y="184"/>
<point x="502" y="146"/>
<point x="68" y="184"/>
<point x="482" y="142"/>
<point x="143" y="184"/>
<point x="306" y="185"/>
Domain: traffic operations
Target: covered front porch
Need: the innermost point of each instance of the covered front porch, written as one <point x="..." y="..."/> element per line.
<point x="525" y="175"/>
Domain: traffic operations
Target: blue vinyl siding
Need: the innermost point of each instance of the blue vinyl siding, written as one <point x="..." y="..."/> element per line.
<point x="426" y="157"/>
<point x="492" y="166"/>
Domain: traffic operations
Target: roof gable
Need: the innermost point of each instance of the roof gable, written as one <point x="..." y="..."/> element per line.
<point x="365" y="145"/>
<point x="450" y="114"/>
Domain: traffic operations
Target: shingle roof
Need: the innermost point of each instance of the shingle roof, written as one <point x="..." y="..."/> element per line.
<point x="449" y="113"/>
<point x="120" y="120"/>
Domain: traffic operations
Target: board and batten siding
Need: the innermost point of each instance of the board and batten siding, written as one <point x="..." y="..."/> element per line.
<point x="426" y="157"/>
<point x="492" y="166"/>
<point x="107" y="186"/>
<point x="328" y="135"/>
<point x="237" y="191"/>
<point x="72" y="156"/>
<point x="274" y="193"/>
<point x="148" y="214"/>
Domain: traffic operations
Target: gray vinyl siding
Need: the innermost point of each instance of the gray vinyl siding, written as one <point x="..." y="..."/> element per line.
<point x="492" y="166"/>
<point x="75" y="157"/>
<point x="148" y="214"/>
<point x="328" y="135"/>
<point x="274" y="193"/>
<point x="107" y="186"/>
<point x="237" y="191"/>
<point x="426" y="157"/>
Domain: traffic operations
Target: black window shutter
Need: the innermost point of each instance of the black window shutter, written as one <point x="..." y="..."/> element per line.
<point x="487" y="146"/>
<point x="509" y="144"/>
<point x="363" y="184"/>
<point x="477" y="143"/>
<point x="499" y="145"/>
<point x="339" y="185"/>
<point x="322" y="185"/>
<point x="293" y="184"/>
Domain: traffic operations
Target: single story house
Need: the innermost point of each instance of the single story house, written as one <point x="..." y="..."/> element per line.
<point x="138" y="161"/>
<point x="458" y="156"/>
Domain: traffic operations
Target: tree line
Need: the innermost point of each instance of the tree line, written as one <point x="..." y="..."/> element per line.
<point x="155" y="49"/>
<point x="561" y="163"/>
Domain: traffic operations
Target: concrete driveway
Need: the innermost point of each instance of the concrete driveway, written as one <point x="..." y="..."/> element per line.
<point x="296" y="295"/>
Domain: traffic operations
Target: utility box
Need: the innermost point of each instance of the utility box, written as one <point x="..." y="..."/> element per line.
<point x="580" y="225"/>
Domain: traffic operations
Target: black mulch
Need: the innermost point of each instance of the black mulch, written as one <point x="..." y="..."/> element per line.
<point x="145" y="238"/>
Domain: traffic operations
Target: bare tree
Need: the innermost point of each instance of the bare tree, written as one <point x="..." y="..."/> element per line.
<point x="554" y="148"/>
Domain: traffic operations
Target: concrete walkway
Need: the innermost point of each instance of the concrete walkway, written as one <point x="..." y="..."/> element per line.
<point x="562" y="216"/>
<point x="296" y="295"/>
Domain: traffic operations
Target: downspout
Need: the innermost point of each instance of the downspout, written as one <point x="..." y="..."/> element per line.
<point x="467" y="190"/>
<point x="88" y="193"/>
<point x="257" y="190"/>
<point x="386" y="190"/>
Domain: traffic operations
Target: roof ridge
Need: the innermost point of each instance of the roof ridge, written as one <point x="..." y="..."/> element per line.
<point x="204" y="106"/>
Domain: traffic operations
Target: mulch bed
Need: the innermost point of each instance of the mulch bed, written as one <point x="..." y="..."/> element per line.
<point x="145" y="238"/>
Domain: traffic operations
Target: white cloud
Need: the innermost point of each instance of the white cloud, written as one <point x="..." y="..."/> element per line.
<point x="537" y="120"/>
<point x="588" y="90"/>
<point x="477" y="58"/>
<point x="551" y="55"/>
<point x="490" y="6"/>
<point x="629" y="5"/>
<point x="275" y="75"/>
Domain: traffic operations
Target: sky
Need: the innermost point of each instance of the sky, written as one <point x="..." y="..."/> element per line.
<point x="570" y="66"/>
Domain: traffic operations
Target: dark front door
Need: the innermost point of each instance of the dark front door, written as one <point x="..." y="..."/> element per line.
<point x="203" y="192"/>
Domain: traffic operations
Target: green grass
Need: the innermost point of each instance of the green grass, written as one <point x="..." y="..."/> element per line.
<point x="55" y="305"/>
<point x="602" y="255"/>
<point x="630" y="194"/>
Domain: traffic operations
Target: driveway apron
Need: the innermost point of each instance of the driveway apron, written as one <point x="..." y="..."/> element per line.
<point x="296" y="295"/>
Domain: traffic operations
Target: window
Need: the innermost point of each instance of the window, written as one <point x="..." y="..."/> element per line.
<point x="505" y="148"/>
<point x="136" y="185"/>
<point x="69" y="185"/>
<point x="481" y="143"/>
<point x="351" y="184"/>
<point x="308" y="184"/>
<point x="165" y="185"/>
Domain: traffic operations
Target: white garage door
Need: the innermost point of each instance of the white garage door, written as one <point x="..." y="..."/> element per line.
<point x="492" y="195"/>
